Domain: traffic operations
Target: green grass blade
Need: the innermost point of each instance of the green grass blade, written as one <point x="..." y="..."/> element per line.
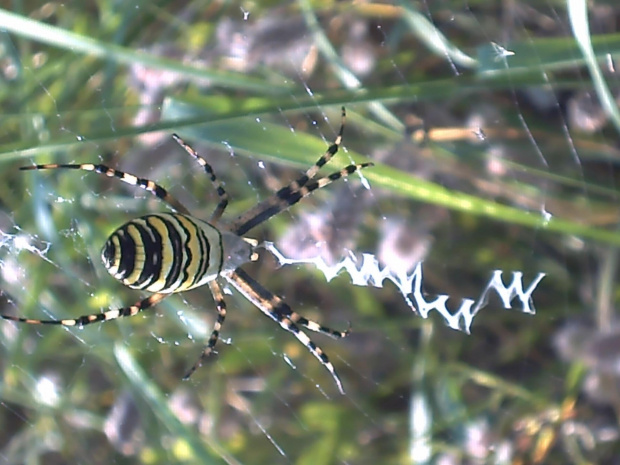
<point x="434" y="39"/>
<point x="58" y="37"/>
<point x="537" y="56"/>
<point x="189" y="442"/>
<point x="301" y="150"/>
<point x="578" y="15"/>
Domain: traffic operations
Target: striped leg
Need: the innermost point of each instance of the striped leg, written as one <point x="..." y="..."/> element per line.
<point x="331" y="151"/>
<point x="219" y="209"/>
<point x="220" y="304"/>
<point x="310" y="324"/>
<point x="96" y="317"/>
<point x="142" y="183"/>
<point x="284" y="309"/>
<point x="277" y="310"/>
<point x="286" y="197"/>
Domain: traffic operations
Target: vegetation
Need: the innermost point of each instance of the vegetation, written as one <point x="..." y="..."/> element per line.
<point x="494" y="133"/>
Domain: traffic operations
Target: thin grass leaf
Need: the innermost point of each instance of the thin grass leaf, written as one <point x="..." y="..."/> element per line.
<point x="151" y="393"/>
<point x="434" y="39"/>
<point x="538" y="55"/>
<point x="578" y="15"/>
<point x="58" y="37"/>
<point x="301" y="150"/>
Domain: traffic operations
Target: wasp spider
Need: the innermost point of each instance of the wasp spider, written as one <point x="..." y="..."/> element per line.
<point x="164" y="253"/>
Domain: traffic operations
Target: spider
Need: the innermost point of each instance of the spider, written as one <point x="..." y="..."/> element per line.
<point x="166" y="253"/>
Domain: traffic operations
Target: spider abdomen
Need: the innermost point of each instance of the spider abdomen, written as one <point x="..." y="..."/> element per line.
<point x="164" y="253"/>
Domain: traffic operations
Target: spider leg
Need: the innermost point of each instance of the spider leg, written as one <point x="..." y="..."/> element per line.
<point x="330" y="152"/>
<point x="221" y="206"/>
<point x="312" y="325"/>
<point x="142" y="183"/>
<point x="272" y="306"/>
<point x="284" y="309"/>
<point x="220" y="304"/>
<point x="95" y="317"/>
<point x="286" y="197"/>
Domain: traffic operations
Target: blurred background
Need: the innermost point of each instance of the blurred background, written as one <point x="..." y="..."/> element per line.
<point x="493" y="127"/>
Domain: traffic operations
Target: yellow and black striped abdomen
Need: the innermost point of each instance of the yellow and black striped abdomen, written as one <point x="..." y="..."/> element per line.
<point x="165" y="253"/>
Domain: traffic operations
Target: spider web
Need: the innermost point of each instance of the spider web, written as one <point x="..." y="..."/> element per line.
<point x="494" y="189"/>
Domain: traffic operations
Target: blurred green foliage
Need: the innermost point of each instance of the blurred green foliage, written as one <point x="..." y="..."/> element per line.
<point x="526" y="189"/>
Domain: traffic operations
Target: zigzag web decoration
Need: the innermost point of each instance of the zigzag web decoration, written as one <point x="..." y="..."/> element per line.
<point x="369" y="273"/>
